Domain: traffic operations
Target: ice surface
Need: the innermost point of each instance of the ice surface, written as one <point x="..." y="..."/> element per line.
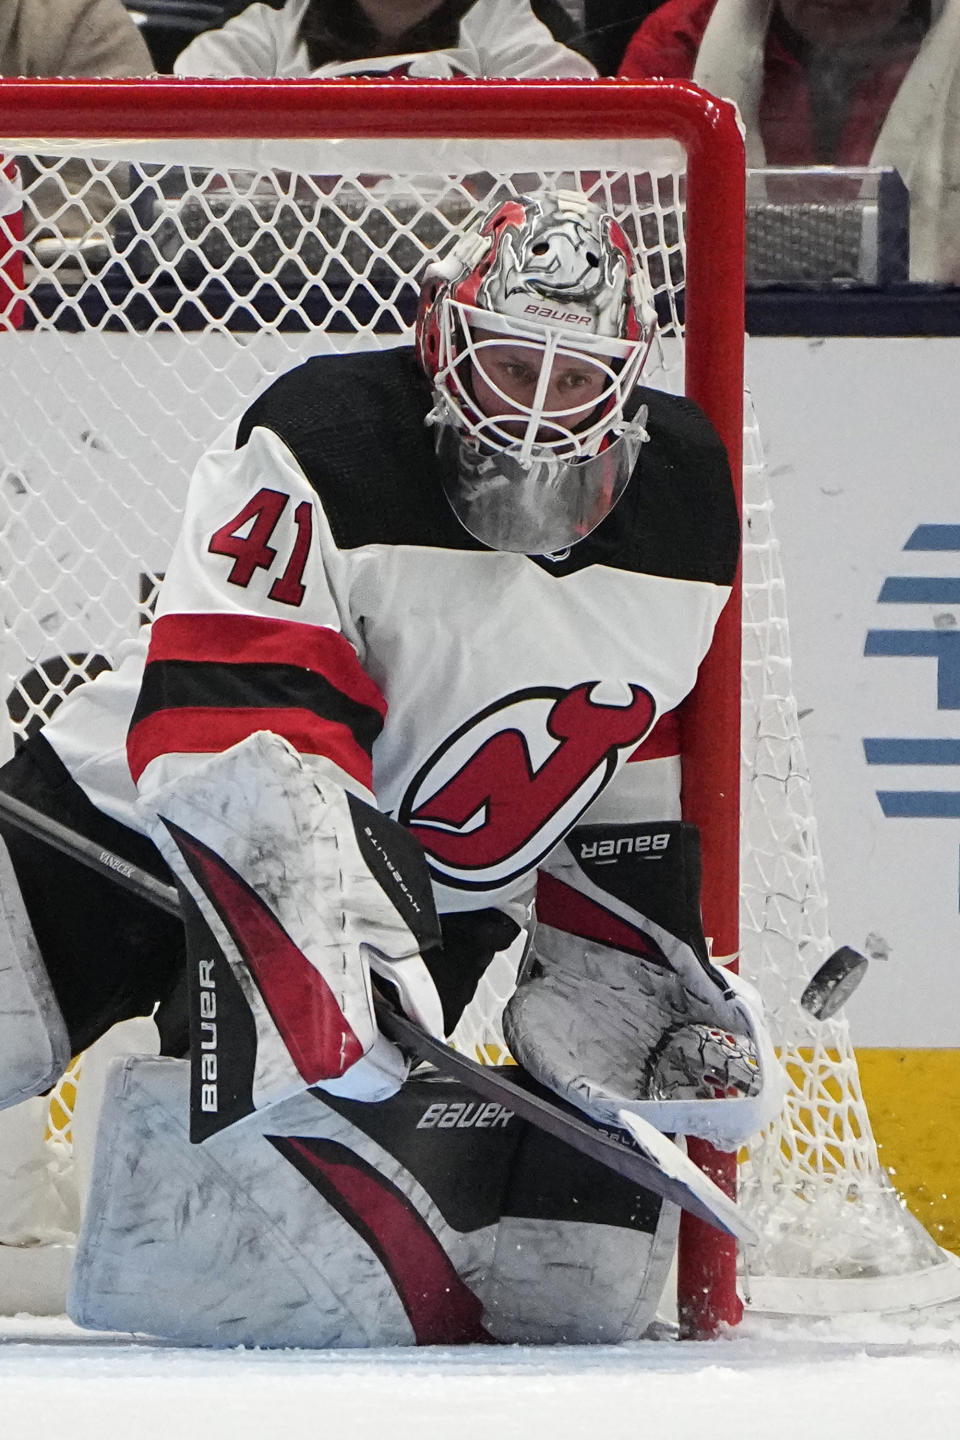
<point x="844" y="1380"/>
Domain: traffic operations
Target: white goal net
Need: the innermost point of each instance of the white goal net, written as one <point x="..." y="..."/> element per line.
<point x="151" y="286"/>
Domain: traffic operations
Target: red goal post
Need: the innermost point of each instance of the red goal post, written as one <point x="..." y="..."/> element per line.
<point x="708" y="290"/>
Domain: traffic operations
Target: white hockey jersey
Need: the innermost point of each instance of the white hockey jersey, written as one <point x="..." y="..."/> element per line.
<point x="323" y="589"/>
<point x="495" y="37"/>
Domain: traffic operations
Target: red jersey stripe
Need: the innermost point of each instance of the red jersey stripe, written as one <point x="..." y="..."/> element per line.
<point x="663" y="742"/>
<point x="207" y="730"/>
<point x="252" y="639"/>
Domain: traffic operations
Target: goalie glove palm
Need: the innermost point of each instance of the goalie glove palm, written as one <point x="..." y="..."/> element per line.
<point x="293" y="890"/>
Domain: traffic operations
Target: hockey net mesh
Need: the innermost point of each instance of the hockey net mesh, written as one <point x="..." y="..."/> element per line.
<point x="152" y="294"/>
<point x="820" y="1201"/>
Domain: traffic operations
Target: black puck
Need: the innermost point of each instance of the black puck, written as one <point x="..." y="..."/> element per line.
<point x="834" y="983"/>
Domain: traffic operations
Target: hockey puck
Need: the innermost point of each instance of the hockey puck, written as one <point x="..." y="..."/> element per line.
<point x="834" y="983"/>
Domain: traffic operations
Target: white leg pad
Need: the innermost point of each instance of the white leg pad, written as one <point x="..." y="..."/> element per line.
<point x="565" y="1283"/>
<point x="225" y="1243"/>
<point x="34" y="1045"/>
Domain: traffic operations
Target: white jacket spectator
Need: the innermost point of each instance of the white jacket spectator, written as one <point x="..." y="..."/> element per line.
<point x="488" y="37"/>
<point x="70" y="37"/>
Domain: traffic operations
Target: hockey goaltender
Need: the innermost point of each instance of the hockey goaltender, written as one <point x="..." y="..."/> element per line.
<point x="426" y="605"/>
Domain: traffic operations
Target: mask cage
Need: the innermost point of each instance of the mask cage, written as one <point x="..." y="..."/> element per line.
<point x="577" y="431"/>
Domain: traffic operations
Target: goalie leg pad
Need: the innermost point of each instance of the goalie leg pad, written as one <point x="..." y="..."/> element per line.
<point x="329" y="1223"/>
<point x="294" y="1227"/>
<point x="582" y="1255"/>
<point x="34" y="1044"/>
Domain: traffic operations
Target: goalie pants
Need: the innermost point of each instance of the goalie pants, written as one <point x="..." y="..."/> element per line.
<point x="430" y="1218"/>
<point x="109" y="954"/>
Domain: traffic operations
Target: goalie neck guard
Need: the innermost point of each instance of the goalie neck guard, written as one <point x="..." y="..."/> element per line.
<point x="534" y="330"/>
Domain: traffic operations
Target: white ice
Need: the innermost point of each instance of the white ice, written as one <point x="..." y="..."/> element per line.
<point x="855" y="1379"/>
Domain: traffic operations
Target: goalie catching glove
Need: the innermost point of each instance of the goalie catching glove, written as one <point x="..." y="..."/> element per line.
<point x="293" y="891"/>
<point x="621" y="1012"/>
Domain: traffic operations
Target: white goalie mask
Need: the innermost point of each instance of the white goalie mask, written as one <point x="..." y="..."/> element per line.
<point x="535" y="330"/>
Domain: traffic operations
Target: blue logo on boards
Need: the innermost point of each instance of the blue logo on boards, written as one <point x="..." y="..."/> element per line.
<point x="942" y="644"/>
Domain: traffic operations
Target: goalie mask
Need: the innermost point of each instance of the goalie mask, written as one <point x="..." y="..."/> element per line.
<point x="534" y="330"/>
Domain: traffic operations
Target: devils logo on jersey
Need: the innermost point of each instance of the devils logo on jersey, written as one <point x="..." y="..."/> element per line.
<point x="499" y="794"/>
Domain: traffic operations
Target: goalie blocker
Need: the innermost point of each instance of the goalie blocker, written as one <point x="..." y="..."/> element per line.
<point x="294" y="890"/>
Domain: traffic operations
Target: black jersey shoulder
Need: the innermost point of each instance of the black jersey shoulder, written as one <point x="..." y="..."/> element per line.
<point x="678" y="516"/>
<point x="356" y="425"/>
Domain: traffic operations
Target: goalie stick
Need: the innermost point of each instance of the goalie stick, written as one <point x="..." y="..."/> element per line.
<point x="652" y="1161"/>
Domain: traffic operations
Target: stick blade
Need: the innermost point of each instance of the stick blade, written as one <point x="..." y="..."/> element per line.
<point x="681" y="1182"/>
<point x="714" y="1205"/>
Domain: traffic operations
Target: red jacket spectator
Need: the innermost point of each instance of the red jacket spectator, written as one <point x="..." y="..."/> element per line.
<point x="888" y="98"/>
<point x="668" y="43"/>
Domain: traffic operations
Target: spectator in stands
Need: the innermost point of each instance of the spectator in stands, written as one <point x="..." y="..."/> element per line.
<point x="608" y="26"/>
<point x="842" y="82"/>
<point x="93" y="38"/>
<point x="413" y="37"/>
<point x="70" y="37"/>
